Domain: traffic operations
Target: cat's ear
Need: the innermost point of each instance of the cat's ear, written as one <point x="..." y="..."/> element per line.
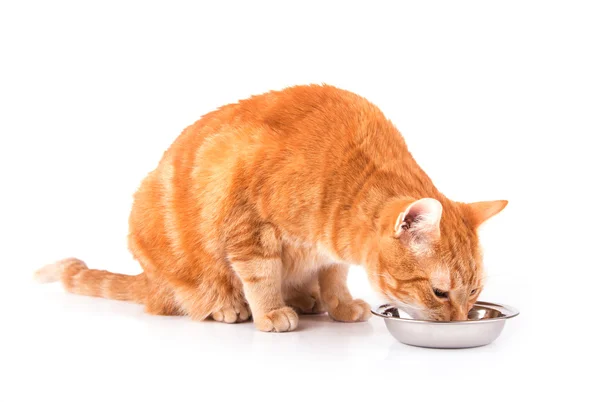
<point x="419" y="224"/>
<point x="484" y="210"/>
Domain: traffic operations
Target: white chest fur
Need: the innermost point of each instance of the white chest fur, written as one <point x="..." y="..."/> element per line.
<point x="301" y="261"/>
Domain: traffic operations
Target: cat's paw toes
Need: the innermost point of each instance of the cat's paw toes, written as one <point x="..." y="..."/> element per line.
<point x="232" y="314"/>
<point x="281" y="320"/>
<point x="306" y="304"/>
<point x="352" y="311"/>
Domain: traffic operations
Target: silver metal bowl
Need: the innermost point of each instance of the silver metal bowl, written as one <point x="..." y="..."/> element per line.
<point x="485" y="323"/>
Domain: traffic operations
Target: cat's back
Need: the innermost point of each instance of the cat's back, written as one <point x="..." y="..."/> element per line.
<point x="293" y="127"/>
<point x="293" y="108"/>
<point x="308" y="110"/>
<point x="309" y="117"/>
<point x="309" y="122"/>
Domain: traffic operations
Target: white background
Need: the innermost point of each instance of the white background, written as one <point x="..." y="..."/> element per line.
<point x="495" y="100"/>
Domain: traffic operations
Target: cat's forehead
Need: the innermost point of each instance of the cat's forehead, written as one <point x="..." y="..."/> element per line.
<point x="445" y="277"/>
<point x="455" y="267"/>
<point x="440" y="277"/>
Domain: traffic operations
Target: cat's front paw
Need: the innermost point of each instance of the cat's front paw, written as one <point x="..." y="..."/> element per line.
<point x="352" y="311"/>
<point x="280" y="320"/>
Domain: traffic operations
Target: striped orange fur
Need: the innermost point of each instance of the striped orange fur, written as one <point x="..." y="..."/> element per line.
<point x="259" y="207"/>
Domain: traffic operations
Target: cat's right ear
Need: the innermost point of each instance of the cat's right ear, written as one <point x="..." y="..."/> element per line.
<point x="419" y="224"/>
<point x="480" y="212"/>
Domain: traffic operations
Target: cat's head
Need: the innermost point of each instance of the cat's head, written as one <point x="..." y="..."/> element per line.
<point x="429" y="260"/>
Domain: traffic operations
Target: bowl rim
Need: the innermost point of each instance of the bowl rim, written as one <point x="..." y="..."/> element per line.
<point x="508" y="311"/>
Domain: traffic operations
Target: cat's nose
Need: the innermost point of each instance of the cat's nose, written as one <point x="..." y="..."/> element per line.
<point x="459" y="314"/>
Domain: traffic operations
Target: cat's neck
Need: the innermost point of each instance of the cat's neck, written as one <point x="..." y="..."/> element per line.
<point x="375" y="212"/>
<point x="390" y="178"/>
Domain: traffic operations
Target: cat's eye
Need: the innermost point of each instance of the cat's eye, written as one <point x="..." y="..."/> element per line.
<point x="473" y="292"/>
<point x="440" y="293"/>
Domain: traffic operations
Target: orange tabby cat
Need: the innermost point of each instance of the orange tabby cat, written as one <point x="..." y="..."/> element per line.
<point x="259" y="207"/>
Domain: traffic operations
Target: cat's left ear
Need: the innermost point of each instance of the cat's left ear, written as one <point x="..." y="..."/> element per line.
<point x="419" y="224"/>
<point x="484" y="210"/>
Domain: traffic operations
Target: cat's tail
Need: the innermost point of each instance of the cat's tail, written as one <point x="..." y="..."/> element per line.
<point x="77" y="278"/>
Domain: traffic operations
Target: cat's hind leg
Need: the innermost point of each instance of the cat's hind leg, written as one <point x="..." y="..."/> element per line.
<point x="161" y="299"/>
<point x="232" y="312"/>
<point x="217" y="294"/>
